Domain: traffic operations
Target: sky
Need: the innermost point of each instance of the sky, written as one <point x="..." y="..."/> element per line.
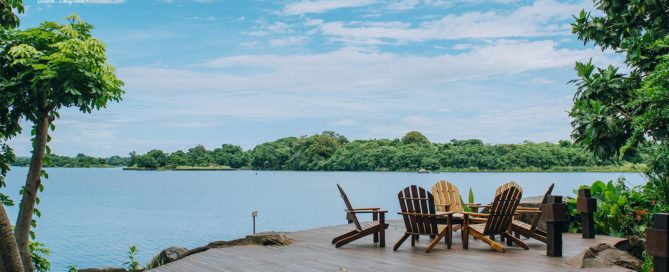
<point x="245" y="72"/>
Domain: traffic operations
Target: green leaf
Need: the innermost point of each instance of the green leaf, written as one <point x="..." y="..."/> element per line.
<point x="597" y="188"/>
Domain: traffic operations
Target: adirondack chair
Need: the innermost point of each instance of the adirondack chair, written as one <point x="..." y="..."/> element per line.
<point x="447" y="198"/>
<point x="499" y="218"/>
<point x="507" y="185"/>
<point x="420" y="218"/>
<point x="531" y="230"/>
<point x="377" y="227"/>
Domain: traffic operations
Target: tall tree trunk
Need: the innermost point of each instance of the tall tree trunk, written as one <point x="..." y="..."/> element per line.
<point x="10" y="259"/>
<point x="23" y="221"/>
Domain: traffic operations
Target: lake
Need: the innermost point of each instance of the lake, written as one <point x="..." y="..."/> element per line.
<point x="91" y="216"/>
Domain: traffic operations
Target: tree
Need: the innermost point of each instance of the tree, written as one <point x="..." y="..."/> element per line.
<point x="178" y="158"/>
<point x="198" y="155"/>
<point x="10" y="259"/>
<point x="159" y="156"/>
<point x="615" y="114"/>
<point x="146" y="161"/>
<point x="415" y="137"/>
<point x="43" y="70"/>
<point x="229" y="155"/>
<point x="273" y="155"/>
<point x="8" y="18"/>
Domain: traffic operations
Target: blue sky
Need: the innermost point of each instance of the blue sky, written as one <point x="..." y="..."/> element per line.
<point x="245" y="72"/>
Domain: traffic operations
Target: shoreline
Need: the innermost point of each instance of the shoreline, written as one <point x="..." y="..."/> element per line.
<point x="191" y="168"/>
<point x="615" y="170"/>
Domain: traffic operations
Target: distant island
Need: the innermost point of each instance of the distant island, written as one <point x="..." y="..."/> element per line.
<point x="330" y="151"/>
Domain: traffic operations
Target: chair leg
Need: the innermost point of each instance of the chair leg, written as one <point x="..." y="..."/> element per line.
<point x="400" y="241"/>
<point x="496" y="246"/>
<point x="413" y="240"/>
<point x="436" y="240"/>
<point x="517" y="241"/>
<point x="449" y="236"/>
<point x="338" y="238"/>
<point x="382" y="236"/>
<point x="350" y="239"/>
<point x="465" y="238"/>
<point x="375" y="218"/>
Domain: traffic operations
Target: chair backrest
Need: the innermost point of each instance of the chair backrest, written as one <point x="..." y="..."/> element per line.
<point x="349" y="209"/>
<point x="507" y="185"/>
<point x="537" y="219"/>
<point x="417" y="205"/>
<point x="446" y="193"/>
<point x="503" y="208"/>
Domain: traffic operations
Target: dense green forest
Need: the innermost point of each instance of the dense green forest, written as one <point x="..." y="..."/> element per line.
<point x="334" y="152"/>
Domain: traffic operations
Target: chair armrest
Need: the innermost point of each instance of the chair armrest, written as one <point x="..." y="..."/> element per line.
<point x="445" y="213"/>
<point x="528" y="208"/>
<point x="367" y="211"/>
<point x="472" y="204"/>
<point x="523" y="211"/>
<point x="426" y="214"/>
<point x="475" y="214"/>
<point x="364" y="209"/>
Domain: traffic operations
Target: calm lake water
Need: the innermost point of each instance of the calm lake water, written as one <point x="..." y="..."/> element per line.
<point x="91" y="216"/>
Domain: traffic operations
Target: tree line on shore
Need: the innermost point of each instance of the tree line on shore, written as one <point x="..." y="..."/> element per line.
<point x="331" y="151"/>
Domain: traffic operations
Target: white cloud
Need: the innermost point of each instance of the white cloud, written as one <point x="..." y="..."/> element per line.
<point x="348" y="80"/>
<point x="289" y="41"/>
<point x="320" y="6"/>
<point x="264" y="29"/>
<point x="403" y="4"/>
<point x="344" y="122"/>
<point x="541" y="18"/>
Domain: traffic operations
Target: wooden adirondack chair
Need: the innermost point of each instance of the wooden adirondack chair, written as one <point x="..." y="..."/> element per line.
<point x="420" y="218"/>
<point x="499" y="218"/>
<point x="507" y="185"/>
<point x="531" y="230"/>
<point x="447" y="198"/>
<point x="377" y="227"/>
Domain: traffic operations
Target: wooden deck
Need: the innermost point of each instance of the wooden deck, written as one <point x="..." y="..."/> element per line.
<point x="311" y="251"/>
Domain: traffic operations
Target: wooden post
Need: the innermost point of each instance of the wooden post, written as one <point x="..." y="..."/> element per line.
<point x="657" y="242"/>
<point x="254" y="214"/>
<point x="587" y="206"/>
<point x="555" y="213"/>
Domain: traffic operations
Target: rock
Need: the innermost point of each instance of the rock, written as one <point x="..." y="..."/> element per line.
<point x="261" y="238"/>
<point x="269" y="239"/>
<point x="634" y="245"/>
<point x="605" y="256"/>
<point x="166" y="256"/>
<point x="103" y="269"/>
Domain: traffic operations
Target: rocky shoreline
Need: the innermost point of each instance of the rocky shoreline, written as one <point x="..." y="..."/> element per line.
<point x="172" y="254"/>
